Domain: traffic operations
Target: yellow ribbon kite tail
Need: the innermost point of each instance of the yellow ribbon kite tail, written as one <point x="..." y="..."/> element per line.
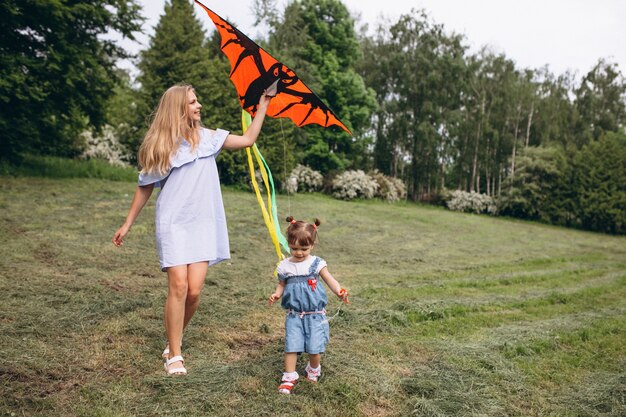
<point x="269" y="220"/>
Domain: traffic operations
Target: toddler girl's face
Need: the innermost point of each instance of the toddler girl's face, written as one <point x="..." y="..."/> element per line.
<point x="300" y="252"/>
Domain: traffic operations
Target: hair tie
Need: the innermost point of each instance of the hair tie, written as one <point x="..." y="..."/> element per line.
<point x="293" y="221"/>
<point x="314" y="226"/>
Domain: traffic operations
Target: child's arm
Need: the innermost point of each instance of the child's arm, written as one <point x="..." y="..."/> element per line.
<point x="333" y="284"/>
<point x="142" y="195"/>
<point x="278" y="293"/>
<point x="250" y="136"/>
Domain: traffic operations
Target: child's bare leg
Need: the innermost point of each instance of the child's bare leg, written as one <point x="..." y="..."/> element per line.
<point x="314" y="360"/>
<point x="175" y="307"/>
<point x="196" y="274"/>
<point x="290" y="376"/>
<point x="290" y="361"/>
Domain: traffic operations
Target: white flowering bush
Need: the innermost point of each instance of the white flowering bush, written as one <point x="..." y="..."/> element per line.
<point x="291" y="185"/>
<point x="471" y="202"/>
<point x="105" y="146"/>
<point x="354" y="184"/>
<point x="389" y="188"/>
<point x="304" y="179"/>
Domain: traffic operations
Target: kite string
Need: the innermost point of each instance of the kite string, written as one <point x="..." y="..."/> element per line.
<point x="334" y="315"/>
<point x="286" y="179"/>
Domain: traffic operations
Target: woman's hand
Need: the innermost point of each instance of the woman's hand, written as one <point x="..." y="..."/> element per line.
<point x="264" y="101"/>
<point x="119" y="235"/>
<point x="142" y="194"/>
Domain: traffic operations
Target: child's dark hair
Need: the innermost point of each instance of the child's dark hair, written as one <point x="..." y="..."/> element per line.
<point x="302" y="233"/>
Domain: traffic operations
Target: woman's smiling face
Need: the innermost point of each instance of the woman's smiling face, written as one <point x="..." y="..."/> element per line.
<point x="194" y="106"/>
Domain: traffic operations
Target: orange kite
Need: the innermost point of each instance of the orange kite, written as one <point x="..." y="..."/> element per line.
<point x="253" y="71"/>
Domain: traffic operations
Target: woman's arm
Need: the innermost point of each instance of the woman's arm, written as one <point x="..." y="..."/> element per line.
<point x="250" y="136"/>
<point x="142" y="195"/>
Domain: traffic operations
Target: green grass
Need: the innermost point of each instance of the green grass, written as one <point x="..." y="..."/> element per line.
<point x="451" y="314"/>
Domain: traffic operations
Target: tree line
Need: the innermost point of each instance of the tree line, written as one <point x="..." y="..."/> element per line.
<point x="421" y="106"/>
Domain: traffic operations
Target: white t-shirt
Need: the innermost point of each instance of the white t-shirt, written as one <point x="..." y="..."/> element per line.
<point x="286" y="268"/>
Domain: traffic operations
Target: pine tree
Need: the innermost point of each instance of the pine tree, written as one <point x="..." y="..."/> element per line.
<point x="176" y="54"/>
<point x="600" y="175"/>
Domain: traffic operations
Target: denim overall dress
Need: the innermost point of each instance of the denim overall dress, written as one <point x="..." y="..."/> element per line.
<point x="304" y="298"/>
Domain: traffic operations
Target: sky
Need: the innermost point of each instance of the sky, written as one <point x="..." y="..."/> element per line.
<point x="566" y="35"/>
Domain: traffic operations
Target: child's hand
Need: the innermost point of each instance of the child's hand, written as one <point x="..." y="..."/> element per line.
<point x="273" y="298"/>
<point x="343" y="295"/>
<point x="119" y="236"/>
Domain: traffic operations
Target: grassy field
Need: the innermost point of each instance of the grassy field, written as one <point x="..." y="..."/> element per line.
<point x="451" y="314"/>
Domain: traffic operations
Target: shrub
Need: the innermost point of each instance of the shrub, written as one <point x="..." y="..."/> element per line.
<point x="105" y="146"/>
<point x="471" y="202"/>
<point x="354" y="184"/>
<point x="291" y="185"/>
<point x="304" y="179"/>
<point x="389" y="188"/>
<point x="539" y="188"/>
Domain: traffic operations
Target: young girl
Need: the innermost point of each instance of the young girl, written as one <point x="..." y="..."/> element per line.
<point x="304" y="298"/>
<point x="178" y="155"/>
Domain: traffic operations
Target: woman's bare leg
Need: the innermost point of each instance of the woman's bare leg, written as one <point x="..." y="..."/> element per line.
<point x="196" y="274"/>
<point x="175" y="308"/>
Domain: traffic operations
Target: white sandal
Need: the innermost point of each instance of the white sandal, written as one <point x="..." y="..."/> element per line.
<point x="175" y="371"/>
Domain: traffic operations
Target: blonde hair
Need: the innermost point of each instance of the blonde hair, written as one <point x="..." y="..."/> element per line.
<point x="171" y="121"/>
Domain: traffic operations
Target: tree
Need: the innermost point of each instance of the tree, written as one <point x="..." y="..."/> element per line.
<point x="556" y="116"/>
<point x="599" y="177"/>
<point x="317" y="40"/>
<point x="537" y="188"/>
<point x="427" y="70"/>
<point x="374" y="67"/>
<point x="601" y="102"/>
<point x="57" y="71"/>
<point x="485" y="139"/>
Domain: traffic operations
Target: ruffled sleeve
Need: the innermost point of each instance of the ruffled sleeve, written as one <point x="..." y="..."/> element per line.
<point x="211" y="143"/>
<point x="321" y="265"/>
<point x="152" y="178"/>
<point x="280" y="271"/>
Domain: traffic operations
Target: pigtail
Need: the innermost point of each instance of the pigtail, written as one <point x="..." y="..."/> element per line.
<point x="302" y="232"/>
